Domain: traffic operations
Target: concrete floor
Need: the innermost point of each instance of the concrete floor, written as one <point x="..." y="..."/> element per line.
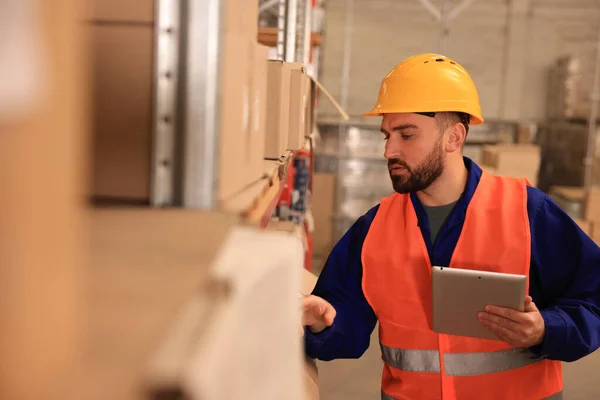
<point x="361" y="379"/>
<point x="353" y="379"/>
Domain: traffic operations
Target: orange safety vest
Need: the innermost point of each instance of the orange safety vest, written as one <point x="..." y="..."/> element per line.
<point x="420" y="364"/>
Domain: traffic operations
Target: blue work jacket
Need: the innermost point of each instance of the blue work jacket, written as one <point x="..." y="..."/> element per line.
<point x="564" y="279"/>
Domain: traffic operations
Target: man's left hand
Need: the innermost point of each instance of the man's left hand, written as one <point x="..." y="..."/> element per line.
<point x="518" y="328"/>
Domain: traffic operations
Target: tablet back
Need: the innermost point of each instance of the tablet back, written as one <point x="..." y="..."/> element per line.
<point x="460" y="294"/>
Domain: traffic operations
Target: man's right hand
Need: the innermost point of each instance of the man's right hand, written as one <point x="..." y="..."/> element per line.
<point x="317" y="313"/>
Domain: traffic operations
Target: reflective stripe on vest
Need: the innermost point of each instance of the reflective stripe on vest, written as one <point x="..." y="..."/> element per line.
<point x="470" y="364"/>
<point x="557" y="396"/>
<point x="412" y="360"/>
<point x="457" y="364"/>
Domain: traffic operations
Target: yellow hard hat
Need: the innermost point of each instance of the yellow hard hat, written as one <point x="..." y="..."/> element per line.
<point x="428" y="83"/>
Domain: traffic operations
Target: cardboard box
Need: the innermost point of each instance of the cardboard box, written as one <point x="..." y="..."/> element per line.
<point x="585" y="225"/>
<point x="241" y="16"/>
<point x="519" y="161"/>
<point x="322" y="208"/>
<point x="297" y="107"/>
<point x="308" y="112"/>
<point x="288" y="227"/>
<point x="119" y="10"/>
<point x="526" y="133"/>
<point x="136" y="253"/>
<point x="474" y="152"/>
<point x="278" y="106"/>
<point x="258" y="125"/>
<point x="44" y="155"/>
<point x="511" y="157"/>
<point x="122" y="111"/>
<point x="570" y="199"/>
<point x="530" y="176"/>
<point x="592" y="210"/>
<point x="596" y="236"/>
<point x="311" y="383"/>
<point x="235" y="109"/>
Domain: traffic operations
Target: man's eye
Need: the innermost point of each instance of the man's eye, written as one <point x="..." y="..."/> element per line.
<point x="406" y="137"/>
<point x="386" y="137"/>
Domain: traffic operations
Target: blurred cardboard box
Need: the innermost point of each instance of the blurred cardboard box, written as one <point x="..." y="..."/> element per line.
<point x="278" y="108"/>
<point x="592" y="211"/>
<point x="241" y="16"/>
<point x="508" y="156"/>
<point x="309" y="280"/>
<point x="258" y="124"/>
<point x="118" y="10"/>
<point x="322" y="207"/>
<point x="308" y="110"/>
<point x="298" y="99"/>
<point x="518" y="161"/>
<point x="311" y="382"/>
<point x="526" y="133"/>
<point x="570" y="199"/>
<point x="474" y="152"/>
<point x="235" y="111"/>
<point x="596" y="236"/>
<point x="122" y="110"/>
<point x="586" y="226"/>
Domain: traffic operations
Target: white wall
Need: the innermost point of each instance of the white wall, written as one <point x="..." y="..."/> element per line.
<point x="506" y="45"/>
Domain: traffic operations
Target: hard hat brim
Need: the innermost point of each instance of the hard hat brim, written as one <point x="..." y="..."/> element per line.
<point x="475" y="120"/>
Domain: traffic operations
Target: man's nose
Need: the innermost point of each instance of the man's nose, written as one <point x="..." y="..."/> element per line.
<point x="393" y="148"/>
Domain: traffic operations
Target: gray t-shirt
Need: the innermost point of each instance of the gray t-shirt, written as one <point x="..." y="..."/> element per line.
<point x="437" y="216"/>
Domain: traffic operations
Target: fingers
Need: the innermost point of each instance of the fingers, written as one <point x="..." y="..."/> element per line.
<point x="329" y="315"/>
<point x="501" y="331"/>
<point x="507" y="313"/>
<point x="517" y="328"/>
<point x="317" y="311"/>
<point x="514" y="315"/>
<point x="496" y="320"/>
<point x="530" y="305"/>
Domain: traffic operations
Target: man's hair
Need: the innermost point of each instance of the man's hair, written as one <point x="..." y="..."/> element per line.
<point x="447" y="119"/>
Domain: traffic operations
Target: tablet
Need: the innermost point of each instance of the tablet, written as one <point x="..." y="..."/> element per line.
<point x="460" y="294"/>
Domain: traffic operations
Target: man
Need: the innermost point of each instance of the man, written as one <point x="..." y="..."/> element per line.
<point x="447" y="212"/>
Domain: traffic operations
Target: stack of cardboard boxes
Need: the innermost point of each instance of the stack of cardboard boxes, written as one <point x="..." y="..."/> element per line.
<point x="592" y="213"/>
<point x="564" y="146"/>
<point x="264" y="106"/>
<point x="289" y="108"/>
<point x="584" y="211"/>
<point x="570" y="86"/>
<point x="514" y="160"/>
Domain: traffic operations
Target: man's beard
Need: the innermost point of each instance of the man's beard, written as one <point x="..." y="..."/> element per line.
<point x="421" y="177"/>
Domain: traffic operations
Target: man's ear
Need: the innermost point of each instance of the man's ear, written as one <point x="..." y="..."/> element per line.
<point x="457" y="134"/>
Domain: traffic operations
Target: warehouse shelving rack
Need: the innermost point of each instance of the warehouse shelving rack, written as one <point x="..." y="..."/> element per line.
<point x="167" y="275"/>
<point x="188" y="56"/>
